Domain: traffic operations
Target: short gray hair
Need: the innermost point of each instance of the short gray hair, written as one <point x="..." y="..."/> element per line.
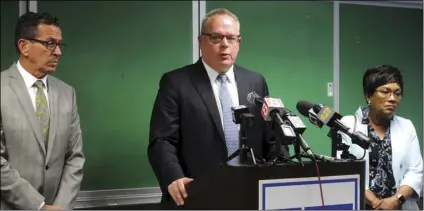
<point x="218" y="11"/>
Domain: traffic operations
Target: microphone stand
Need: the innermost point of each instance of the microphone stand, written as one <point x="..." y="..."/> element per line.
<point x="244" y="152"/>
<point x="336" y="142"/>
<point x="280" y="131"/>
<point x="297" y="153"/>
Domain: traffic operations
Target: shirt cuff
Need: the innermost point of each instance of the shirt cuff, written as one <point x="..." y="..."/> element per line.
<point x="41" y="206"/>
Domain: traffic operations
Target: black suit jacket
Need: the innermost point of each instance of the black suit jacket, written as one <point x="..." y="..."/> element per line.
<point x="186" y="135"/>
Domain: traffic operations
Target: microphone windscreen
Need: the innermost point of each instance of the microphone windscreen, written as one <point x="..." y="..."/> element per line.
<point x="303" y="107"/>
<point x="252" y="97"/>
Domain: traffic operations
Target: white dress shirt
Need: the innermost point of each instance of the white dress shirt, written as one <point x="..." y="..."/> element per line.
<point x="32" y="90"/>
<point x="29" y="82"/>
<point x="216" y="85"/>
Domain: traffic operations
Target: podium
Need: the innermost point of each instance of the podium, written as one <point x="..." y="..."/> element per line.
<point x="280" y="186"/>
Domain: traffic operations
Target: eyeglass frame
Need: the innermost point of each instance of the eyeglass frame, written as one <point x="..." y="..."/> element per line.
<point x="221" y="37"/>
<point x="386" y="94"/>
<point x="46" y="43"/>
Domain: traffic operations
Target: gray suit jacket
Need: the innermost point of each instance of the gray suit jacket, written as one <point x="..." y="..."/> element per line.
<point x="30" y="173"/>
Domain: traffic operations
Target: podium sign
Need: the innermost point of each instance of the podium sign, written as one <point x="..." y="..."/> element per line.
<point x="339" y="193"/>
<point x="281" y="186"/>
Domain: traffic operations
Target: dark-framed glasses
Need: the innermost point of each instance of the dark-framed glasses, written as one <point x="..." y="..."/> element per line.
<point x="50" y="44"/>
<point x="217" y="38"/>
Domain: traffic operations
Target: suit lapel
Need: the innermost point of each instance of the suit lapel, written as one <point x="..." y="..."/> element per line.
<point x="397" y="140"/>
<point x="201" y="82"/>
<point x="53" y="95"/>
<point x="18" y="86"/>
<point x="242" y="86"/>
<point x="394" y="136"/>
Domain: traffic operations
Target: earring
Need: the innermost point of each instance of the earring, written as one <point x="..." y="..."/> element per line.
<point x="369" y="103"/>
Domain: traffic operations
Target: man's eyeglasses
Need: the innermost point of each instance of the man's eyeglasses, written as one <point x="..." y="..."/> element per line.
<point x="217" y="38"/>
<point x="51" y="44"/>
<point x="386" y="94"/>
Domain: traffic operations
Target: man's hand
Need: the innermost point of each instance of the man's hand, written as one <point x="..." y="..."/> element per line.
<point x="390" y="203"/>
<point x="51" y="207"/>
<point x="177" y="190"/>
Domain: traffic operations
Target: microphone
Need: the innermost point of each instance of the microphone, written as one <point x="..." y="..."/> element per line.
<point x="295" y="122"/>
<point x="329" y="117"/>
<point x="269" y="105"/>
<point x="304" y="145"/>
<point x="273" y="110"/>
<point x="323" y="157"/>
<point x="254" y="98"/>
<point x="302" y="107"/>
<point x="238" y="112"/>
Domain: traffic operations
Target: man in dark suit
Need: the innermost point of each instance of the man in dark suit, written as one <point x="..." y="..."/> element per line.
<point x="191" y="130"/>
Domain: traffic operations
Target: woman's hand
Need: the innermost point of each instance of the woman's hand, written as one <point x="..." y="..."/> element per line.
<point x="390" y="203"/>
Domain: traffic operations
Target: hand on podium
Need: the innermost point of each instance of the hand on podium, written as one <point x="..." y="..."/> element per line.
<point x="178" y="191"/>
<point x="51" y="207"/>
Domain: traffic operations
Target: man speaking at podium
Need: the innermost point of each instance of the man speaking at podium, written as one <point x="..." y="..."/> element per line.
<point x="191" y="128"/>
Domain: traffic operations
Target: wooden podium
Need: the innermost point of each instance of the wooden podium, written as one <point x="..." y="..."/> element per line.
<point x="280" y="186"/>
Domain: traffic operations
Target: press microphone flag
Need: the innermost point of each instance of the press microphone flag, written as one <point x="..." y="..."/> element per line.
<point x="331" y="118"/>
<point x="271" y="105"/>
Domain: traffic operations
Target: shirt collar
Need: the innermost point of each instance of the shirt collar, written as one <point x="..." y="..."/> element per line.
<point x="28" y="78"/>
<point x="213" y="74"/>
<point x="365" y="111"/>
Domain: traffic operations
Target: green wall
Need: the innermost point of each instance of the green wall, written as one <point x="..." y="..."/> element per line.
<point x="9" y="15"/>
<point x="291" y="44"/>
<point x="117" y="52"/>
<point x="376" y="37"/>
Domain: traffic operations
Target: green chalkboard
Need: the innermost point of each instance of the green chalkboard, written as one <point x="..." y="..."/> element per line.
<point x="116" y="53"/>
<point x="371" y="36"/>
<point x="291" y="44"/>
<point x="9" y="15"/>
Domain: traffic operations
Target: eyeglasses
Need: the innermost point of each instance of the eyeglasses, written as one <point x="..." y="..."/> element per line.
<point x="386" y="94"/>
<point x="51" y="44"/>
<point x="217" y="38"/>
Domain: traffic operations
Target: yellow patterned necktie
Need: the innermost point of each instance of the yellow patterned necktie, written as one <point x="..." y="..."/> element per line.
<point x="42" y="109"/>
